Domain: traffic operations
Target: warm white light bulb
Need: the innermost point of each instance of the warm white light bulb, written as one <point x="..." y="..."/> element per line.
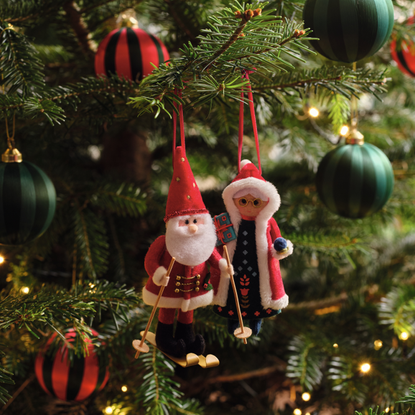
<point x="297" y="411"/>
<point x="1" y="259"/>
<point x="314" y="112"/>
<point x="25" y="290"/>
<point x="365" y="367"/>
<point x="108" y="410"/>
<point x="387" y="410"/>
<point x="335" y="345"/>
<point x="404" y="335"/>
<point x="124" y="388"/>
<point x="378" y="344"/>
<point x="344" y="130"/>
<point x="306" y="396"/>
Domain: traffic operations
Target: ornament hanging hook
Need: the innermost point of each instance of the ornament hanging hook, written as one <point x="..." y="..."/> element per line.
<point x="10" y="140"/>
<point x="12" y="154"/>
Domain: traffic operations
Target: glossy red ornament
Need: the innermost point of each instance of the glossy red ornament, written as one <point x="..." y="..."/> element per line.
<point x="70" y="382"/>
<point x="405" y="57"/>
<point x="129" y="53"/>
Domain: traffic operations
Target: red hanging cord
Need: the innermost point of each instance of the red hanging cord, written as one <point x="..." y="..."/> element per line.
<point x="241" y="124"/>
<point x="181" y="123"/>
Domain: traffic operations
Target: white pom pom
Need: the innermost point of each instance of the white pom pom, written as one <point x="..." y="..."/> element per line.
<point x="245" y="162"/>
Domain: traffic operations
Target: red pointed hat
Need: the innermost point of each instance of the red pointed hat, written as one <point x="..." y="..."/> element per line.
<point x="184" y="195"/>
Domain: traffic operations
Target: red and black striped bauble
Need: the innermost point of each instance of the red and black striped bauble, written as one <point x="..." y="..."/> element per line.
<point x="70" y="381"/>
<point x="348" y="30"/>
<point x="405" y="56"/>
<point x="129" y="53"/>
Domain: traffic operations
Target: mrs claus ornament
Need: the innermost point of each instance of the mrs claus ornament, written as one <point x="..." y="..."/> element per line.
<point x="251" y="202"/>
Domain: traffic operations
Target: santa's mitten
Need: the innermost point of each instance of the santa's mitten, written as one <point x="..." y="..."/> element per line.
<point x="287" y="248"/>
<point x="224" y="269"/>
<point x="159" y="276"/>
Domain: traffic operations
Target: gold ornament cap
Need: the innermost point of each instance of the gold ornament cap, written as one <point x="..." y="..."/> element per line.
<point x="355" y="137"/>
<point x="12" y="155"/>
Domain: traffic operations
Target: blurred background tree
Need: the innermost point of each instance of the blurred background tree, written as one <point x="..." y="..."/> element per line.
<point x="350" y="281"/>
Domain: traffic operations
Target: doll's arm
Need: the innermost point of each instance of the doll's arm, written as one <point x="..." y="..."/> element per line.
<point x="281" y="247"/>
<point x="153" y="259"/>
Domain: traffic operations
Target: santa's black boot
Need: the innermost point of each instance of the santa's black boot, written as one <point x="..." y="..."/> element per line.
<point x="195" y="343"/>
<point x="166" y="343"/>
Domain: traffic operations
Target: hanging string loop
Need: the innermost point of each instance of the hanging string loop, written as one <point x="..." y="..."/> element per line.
<point x="178" y="92"/>
<point x="245" y="74"/>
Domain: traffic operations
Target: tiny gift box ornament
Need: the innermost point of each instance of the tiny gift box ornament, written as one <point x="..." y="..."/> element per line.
<point x="224" y="229"/>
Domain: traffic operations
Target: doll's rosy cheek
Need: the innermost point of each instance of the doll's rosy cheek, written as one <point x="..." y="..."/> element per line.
<point x="183" y="223"/>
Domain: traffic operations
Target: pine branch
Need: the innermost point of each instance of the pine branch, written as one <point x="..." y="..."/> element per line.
<point x="20" y="66"/>
<point x="74" y="17"/>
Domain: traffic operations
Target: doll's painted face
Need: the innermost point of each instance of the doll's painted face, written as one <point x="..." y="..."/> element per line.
<point x="249" y="205"/>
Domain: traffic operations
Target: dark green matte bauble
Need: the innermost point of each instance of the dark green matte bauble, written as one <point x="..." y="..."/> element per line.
<point x="354" y="181"/>
<point x="348" y="30"/>
<point x="27" y="202"/>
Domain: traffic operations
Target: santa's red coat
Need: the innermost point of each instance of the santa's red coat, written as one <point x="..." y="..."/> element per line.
<point x="158" y="256"/>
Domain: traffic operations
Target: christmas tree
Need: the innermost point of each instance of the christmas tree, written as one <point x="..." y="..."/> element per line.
<point x="345" y="341"/>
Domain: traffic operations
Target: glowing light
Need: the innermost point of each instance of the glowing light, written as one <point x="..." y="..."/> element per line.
<point x="306" y="396"/>
<point x="91" y="285"/>
<point x="404" y="335"/>
<point x="108" y="410"/>
<point x="335" y="345"/>
<point x="387" y="410"/>
<point x="378" y="344"/>
<point x="297" y="411"/>
<point x="124" y="388"/>
<point x="25" y="290"/>
<point x="344" y="130"/>
<point x="1" y="259"/>
<point x="314" y="112"/>
<point x="365" y="367"/>
<point x="307" y="413"/>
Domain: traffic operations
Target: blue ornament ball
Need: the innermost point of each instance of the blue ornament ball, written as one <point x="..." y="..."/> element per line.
<point x="280" y="244"/>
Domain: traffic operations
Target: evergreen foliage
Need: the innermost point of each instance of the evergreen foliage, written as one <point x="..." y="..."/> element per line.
<point x="106" y="145"/>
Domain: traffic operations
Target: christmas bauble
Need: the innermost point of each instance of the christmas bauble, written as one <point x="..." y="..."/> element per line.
<point x="70" y="381"/>
<point x="348" y="30"/>
<point x="129" y="53"/>
<point x="27" y="202"/>
<point x="355" y="180"/>
<point x="405" y="57"/>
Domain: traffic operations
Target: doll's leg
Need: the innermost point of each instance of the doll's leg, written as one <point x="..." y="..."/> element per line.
<point x="195" y="343"/>
<point x="255" y="326"/>
<point x="164" y="334"/>
<point x="232" y="326"/>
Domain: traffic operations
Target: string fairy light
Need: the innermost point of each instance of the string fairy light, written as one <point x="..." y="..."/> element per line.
<point x="306" y="396"/>
<point x="25" y="290"/>
<point x="1" y="259"/>
<point x="335" y="345"/>
<point x="365" y="367"/>
<point x="378" y="344"/>
<point x="344" y="130"/>
<point x="297" y="411"/>
<point x="124" y="388"/>
<point x="108" y="410"/>
<point x="314" y="112"/>
<point x="404" y="335"/>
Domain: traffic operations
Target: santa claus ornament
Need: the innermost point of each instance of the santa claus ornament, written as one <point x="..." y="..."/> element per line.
<point x="177" y="266"/>
<point x="255" y="251"/>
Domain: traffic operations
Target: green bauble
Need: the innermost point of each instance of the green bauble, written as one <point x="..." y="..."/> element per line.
<point x="348" y="30"/>
<point x="27" y="202"/>
<point x="354" y="180"/>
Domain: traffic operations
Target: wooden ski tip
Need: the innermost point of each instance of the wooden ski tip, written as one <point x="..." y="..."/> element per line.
<point x="242" y="334"/>
<point x="192" y="359"/>
<point x="209" y="361"/>
<point x="143" y="348"/>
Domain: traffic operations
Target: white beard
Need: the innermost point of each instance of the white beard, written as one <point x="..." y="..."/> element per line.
<point x="191" y="249"/>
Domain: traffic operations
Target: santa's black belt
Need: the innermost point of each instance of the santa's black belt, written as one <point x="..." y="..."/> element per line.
<point x="184" y="282"/>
